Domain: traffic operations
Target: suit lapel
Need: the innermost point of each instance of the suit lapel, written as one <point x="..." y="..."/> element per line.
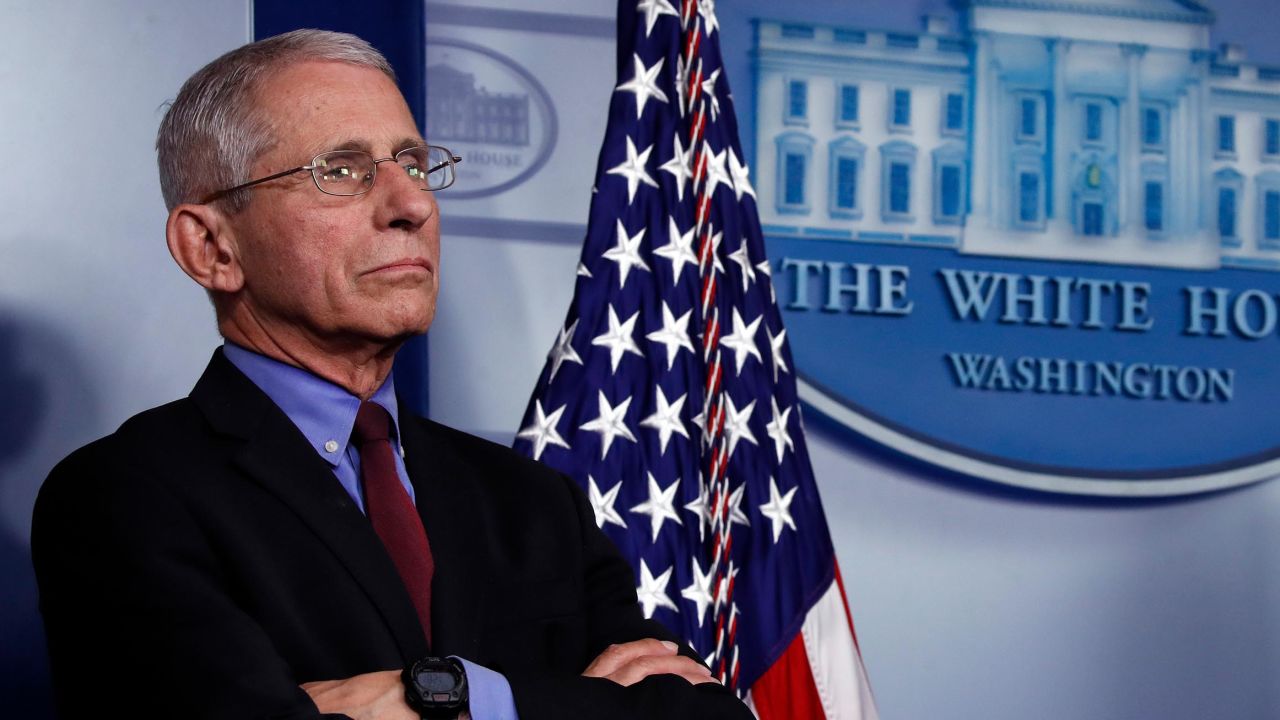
<point x="277" y="456"/>
<point x="448" y="501"/>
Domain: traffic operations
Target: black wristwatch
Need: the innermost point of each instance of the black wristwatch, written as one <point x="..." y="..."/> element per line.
<point x="436" y="687"/>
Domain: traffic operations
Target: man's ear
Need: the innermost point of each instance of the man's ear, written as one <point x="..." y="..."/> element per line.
<point x="203" y="244"/>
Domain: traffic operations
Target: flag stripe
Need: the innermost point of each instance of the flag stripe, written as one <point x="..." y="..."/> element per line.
<point x="786" y="691"/>
<point x="838" y="675"/>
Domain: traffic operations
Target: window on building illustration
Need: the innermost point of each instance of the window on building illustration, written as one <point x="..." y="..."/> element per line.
<point x="1028" y="197"/>
<point x="797" y="100"/>
<point x="844" y="177"/>
<point x="846" y="183"/>
<point x="1091" y="219"/>
<point x="848" y="104"/>
<point x="1226" y="134"/>
<point x="1153" y="197"/>
<point x="899" y="188"/>
<point x="953" y="114"/>
<point x="1029" y="125"/>
<point x="791" y="172"/>
<point x="897" y="173"/>
<point x="1271" y="139"/>
<point x="949" y="191"/>
<point x="1152" y="127"/>
<point x="1227" y="212"/>
<point x="1093" y="122"/>
<point x="794" y="178"/>
<point x="901" y="110"/>
<point x="1155" y="127"/>
<point x="1271" y="215"/>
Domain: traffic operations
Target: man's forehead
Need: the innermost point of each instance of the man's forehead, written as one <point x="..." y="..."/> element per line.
<point x="318" y="106"/>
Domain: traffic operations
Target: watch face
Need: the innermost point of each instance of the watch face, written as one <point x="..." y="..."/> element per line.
<point x="436" y="681"/>
<point x="436" y="687"/>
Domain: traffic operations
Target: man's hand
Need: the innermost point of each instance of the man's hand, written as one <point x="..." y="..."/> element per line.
<point x="372" y="696"/>
<point x="634" y="661"/>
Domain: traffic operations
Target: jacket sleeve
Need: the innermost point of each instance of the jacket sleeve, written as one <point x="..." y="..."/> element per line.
<point x="614" y="616"/>
<point x="139" y="617"/>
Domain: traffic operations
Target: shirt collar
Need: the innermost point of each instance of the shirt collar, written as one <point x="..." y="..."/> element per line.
<point x="324" y="412"/>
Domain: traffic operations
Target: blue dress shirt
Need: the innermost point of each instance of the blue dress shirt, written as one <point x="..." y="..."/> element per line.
<point x="325" y="413"/>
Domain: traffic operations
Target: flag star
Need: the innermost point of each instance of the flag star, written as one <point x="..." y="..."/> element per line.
<point x="634" y="170"/>
<point x="610" y="423"/>
<point x="679" y="249"/>
<point x="707" y="9"/>
<point x="602" y="504"/>
<point x="674" y="335"/>
<point x="699" y="591"/>
<point x="709" y="89"/>
<point x="763" y="268"/>
<point x="740" y="174"/>
<point x="743" y="258"/>
<point x="701" y="506"/>
<point x="743" y="340"/>
<point x="652" y="9"/>
<point x="627" y="253"/>
<point x="775" y="349"/>
<point x="666" y="419"/>
<point x="618" y="338"/>
<point x="735" y="425"/>
<point x="542" y="430"/>
<point x="736" y="515"/>
<point x="660" y="506"/>
<point x="778" y="509"/>
<point x="777" y="429"/>
<point x="644" y="84"/>
<point x="652" y="591"/>
<point x="583" y="271"/>
<point x="563" y="351"/>
<point x="717" y="175"/>
<point x="716" y="237"/>
<point x="682" y="83"/>
<point x="680" y="165"/>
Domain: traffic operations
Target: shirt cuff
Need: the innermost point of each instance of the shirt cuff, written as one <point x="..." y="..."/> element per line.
<point x="490" y="693"/>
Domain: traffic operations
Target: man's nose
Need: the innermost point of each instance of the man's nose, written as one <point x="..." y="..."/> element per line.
<point x="403" y="200"/>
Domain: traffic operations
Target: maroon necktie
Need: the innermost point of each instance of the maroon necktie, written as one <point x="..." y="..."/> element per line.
<point x="391" y="511"/>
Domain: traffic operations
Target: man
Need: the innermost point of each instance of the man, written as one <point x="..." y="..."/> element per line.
<point x="284" y="543"/>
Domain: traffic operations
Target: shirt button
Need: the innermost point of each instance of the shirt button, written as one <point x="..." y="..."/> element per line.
<point x="331" y="446"/>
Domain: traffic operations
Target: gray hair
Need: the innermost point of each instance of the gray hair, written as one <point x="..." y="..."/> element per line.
<point x="212" y="131"/>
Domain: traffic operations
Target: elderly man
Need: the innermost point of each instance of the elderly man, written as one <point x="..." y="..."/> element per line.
<point x="284" y="542"/>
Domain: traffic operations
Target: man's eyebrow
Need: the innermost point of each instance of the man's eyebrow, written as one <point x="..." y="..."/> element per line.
<point x="349" y="144"/>
<point x="365" y="146"/>
<point x="408" y="142"/>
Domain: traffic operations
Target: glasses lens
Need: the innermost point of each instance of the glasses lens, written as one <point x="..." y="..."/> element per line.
<point x="433" y="164"/>
<point x="343" y="172"/>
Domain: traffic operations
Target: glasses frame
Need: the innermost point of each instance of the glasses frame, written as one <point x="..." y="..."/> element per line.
<point x="315" y="165"/>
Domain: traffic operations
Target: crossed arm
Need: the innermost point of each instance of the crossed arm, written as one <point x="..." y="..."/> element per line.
<point x="380" y="695"/>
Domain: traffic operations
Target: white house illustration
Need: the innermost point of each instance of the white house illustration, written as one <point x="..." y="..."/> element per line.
<point x="1091" y="130"/>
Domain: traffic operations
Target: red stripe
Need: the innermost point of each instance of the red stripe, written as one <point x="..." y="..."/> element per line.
<point x="786" y="690"/>
<point x="844" y="599"/>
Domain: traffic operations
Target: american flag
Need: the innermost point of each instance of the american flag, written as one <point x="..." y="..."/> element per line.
<point x="669" y="393"/>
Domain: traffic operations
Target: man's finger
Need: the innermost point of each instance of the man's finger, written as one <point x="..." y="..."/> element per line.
<point x="642" y="667"/>
<point x="616" y="656"/>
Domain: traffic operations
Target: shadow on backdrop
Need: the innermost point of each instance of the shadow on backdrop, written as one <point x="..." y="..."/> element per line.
<point x="48" y="410"/>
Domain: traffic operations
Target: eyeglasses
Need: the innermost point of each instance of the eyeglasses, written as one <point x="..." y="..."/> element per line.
<point x="351" y="172"/>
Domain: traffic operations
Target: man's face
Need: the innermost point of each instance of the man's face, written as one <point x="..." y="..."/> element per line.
<point x="337" y="272"/>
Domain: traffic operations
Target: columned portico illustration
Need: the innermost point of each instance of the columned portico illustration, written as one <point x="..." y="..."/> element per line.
<point x="1094" y="131"/>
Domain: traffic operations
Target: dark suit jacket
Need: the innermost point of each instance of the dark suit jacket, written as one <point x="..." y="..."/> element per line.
<point x="203" y="561"/>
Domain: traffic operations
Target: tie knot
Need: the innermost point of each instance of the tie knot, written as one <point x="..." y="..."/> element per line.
<point x="373" y="422"/>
